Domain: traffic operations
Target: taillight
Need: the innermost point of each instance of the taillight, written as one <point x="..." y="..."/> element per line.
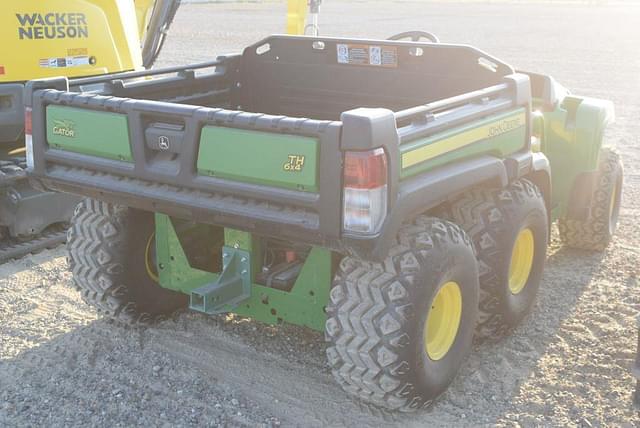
<point x="365" y="191"/>
<point x="28" y="141"/>
<point x="28" y="122"/>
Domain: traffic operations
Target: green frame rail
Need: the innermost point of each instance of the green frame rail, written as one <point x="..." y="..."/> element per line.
<point x="304" y="305"/>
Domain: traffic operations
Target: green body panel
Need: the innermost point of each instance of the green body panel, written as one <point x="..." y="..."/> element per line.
<point x="174" y="270"/>
<point x="498" y="135"/>
<point x="573" y="136"/>
<point x="303" y="305"/>
<point x="259" y="157"/>
<point x="95" y="133"/>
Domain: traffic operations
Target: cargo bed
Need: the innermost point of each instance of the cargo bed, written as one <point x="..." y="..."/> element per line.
<point x="256" y="141"/>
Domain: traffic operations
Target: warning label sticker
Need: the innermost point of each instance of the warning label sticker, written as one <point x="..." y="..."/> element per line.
<point x="69" y="61"/>
<point x="378" y="56"/>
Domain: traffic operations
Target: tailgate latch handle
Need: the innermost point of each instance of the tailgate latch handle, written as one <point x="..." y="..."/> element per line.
<point x="164" y="137"/>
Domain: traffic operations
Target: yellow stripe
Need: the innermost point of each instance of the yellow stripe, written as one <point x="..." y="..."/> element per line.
<point x="462" y="139"/>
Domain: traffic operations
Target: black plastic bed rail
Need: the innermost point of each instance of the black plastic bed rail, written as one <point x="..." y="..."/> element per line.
<point x="143" y="73"/>
<point x="429" y="119"/>
<point x="449" y="103"/>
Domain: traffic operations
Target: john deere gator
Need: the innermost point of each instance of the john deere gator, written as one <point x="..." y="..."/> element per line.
<point x="397" y="195"/>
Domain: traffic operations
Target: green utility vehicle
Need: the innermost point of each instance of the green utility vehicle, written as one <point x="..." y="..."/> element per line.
<point x="396" y="195"/>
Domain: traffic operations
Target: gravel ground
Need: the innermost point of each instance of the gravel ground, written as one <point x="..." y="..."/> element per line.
<point x="567" y="364"/>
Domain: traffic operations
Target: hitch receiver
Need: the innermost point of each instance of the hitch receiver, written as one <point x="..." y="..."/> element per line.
<point x="231" y="288"/>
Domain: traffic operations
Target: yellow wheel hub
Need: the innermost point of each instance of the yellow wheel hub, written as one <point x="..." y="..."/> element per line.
<point x="521" y="260"/>
<point x="443" y="321"/>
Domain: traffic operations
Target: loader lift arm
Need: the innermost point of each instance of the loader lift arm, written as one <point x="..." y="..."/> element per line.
<point x="154" y="19"/>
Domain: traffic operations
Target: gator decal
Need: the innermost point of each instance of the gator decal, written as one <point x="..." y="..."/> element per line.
<point x="66" y="128"/>
<point x="439" y="145"/>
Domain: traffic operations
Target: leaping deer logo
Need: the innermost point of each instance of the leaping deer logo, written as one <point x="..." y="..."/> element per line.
<point x="163" y="142"/>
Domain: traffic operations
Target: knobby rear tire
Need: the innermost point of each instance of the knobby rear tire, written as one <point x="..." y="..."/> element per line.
<point x="107" y="252"/>
<point x="377" y="316"/>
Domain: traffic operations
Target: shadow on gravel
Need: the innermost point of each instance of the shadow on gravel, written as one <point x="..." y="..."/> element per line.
<point x="194" y="369"/>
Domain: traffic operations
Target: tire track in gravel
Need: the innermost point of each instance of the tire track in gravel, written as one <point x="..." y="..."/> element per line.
<point x="303" y="393"/>
<point x="101" y="373"/>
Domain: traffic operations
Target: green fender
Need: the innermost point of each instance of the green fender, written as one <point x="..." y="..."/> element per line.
<point x="572" y="139"/>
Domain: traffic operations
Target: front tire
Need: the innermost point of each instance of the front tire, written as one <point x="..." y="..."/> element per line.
<point x="400" y="330"/>
<point x="109" y="248"/>
<point x="596" y="232"/>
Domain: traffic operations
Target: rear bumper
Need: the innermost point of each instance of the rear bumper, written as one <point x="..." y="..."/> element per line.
<point x="11" y="112"/>
<point x="289" y="220"/>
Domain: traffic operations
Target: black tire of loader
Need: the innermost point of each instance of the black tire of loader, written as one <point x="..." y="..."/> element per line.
<point x="377" y="312"/>
<point x="493" y="218"/>
<point x="597" y="230"/>
<point x="106" y="245"/>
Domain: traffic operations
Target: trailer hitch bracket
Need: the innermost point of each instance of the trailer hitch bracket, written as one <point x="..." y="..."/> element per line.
<point x="232" y="287"/>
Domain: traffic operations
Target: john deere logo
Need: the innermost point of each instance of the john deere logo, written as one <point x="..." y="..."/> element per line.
<point x="294" y="163"/>
<point x="64" y="128"/>
<point x="163" y="142"/>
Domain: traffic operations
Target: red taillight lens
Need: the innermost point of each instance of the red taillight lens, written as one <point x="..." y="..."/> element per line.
<point x="28" y="141"/>
<point x="28" y="122"/>
<point x="364" y="197"/>
<point x="365" y="170"/>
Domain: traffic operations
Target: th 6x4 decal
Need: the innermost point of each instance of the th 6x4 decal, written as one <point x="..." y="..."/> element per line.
<point x="294" y="163"/>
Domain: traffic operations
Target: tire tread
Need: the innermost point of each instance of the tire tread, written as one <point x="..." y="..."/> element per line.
<point x="481" y="212"/>
<point x="96" y="243"/>
<point x="368" y="308"/>
<point x="593" y="234"/>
